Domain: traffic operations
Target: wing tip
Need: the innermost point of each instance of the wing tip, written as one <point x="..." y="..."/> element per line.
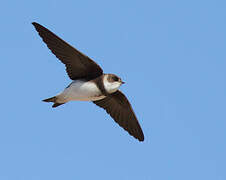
<point x="34" y="24"/>
<point x="141" y="135"/>
<point x="37" y="25"/>
<point x="141" y="139"/>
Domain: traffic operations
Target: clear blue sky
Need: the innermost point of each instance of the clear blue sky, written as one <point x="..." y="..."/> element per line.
<point x="172" y="56"/>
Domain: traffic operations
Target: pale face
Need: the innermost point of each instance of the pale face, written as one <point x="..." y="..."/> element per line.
<point x="112" y="83"/>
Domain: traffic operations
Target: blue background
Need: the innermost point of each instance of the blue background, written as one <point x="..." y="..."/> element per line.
<point x="171" y="54"/>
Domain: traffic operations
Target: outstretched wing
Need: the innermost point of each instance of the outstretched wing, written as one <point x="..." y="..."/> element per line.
<point x="78" y="65"/>
<point x="121" y="111"/>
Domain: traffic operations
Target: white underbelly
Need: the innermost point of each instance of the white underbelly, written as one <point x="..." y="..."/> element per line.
<point x="80" y="91"/>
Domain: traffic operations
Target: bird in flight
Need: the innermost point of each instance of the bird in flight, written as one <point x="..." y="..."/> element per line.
<point x="89" y="83"/>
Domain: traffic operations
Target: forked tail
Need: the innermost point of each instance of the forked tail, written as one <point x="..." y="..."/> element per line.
<point x="54" y="100"/>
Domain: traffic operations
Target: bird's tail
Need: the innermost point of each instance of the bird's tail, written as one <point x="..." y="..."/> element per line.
<point x="54" y="100"/>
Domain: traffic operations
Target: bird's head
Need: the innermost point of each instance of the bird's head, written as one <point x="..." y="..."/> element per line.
<point x="112" y="82"/>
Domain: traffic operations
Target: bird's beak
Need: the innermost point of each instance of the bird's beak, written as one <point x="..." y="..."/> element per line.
<point x="123" y="82"/>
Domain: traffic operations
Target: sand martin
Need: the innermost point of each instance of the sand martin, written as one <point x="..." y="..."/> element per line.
<point x="90" y="83"/>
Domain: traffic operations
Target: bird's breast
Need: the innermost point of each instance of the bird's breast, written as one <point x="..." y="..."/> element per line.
<point x="82" y="91"/>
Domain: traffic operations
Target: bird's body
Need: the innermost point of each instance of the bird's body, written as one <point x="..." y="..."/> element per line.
<point x="80" y="90"/>
<point x="85" y="90"/>
<point x="90" y="84"/>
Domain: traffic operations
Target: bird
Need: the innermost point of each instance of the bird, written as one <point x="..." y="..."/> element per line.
<point x="90" y="83"/>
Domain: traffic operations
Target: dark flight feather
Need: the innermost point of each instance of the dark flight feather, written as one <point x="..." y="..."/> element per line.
<point x="78" y="65"/>
<point x="117" y="105"/>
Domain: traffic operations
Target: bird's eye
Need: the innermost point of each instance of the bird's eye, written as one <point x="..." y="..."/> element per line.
<point x="115" y="78"/>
